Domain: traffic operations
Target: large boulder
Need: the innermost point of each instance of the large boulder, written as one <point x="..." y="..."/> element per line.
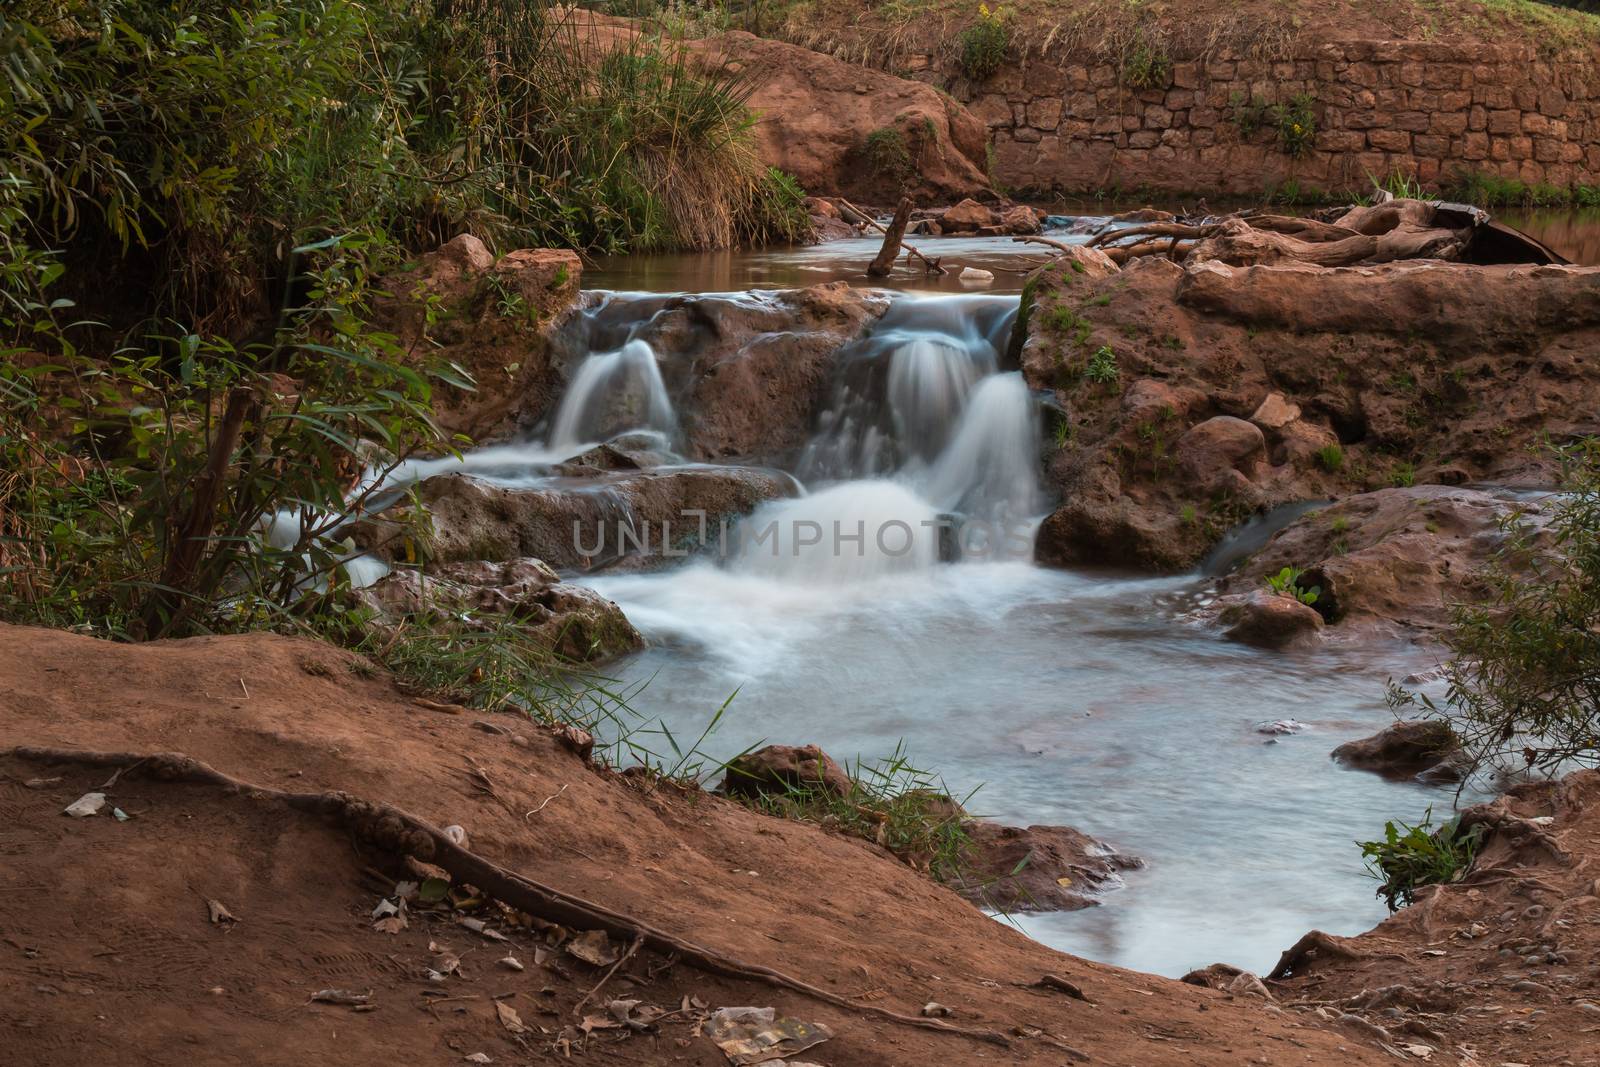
<point x="1392" y="561"/>
<point x="782" y="770"/>
<point x="626" y="518"/>
<point x="1354" y="378"/>
<point x="575" y="623"/>
<point x="1425" y="748"/>
<point x="492" y="318"/>
<point x="1271" y="622"/>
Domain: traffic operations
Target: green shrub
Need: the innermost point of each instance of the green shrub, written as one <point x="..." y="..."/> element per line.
<point x="1410" y="857"/>
<point x="1102" y="367"/>
<point x="1286" y="583"/>
<point x="1146" y="66"/>
<point x="1297" y="125"/>
<point x="1525" y="665"/>
<point x="1330" y="458"/>
<point x="984" y="43"/>
<point x="887" y="155"/>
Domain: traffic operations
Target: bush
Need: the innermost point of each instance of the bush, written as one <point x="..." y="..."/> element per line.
<point x="1146" y="66"/>
<point x="1410" y="857"/>
<point x="887" y="156"/>
<point x="984" y="43"/>
<point x="1525" y="665"/>
<point x="1102" y="368"/>
<point x="1330" y="458"/>
<point x="1297" y="125"/>
<point x="1286" y="583"/>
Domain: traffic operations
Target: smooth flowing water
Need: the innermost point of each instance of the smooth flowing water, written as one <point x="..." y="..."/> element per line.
<point x="895" y="602"/>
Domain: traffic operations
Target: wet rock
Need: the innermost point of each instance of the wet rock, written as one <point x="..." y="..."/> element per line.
<point x="748" y="373"/>
<point x="641" y="517"/>
<point x="1268" y="621"/>
<point x="576" y="623"/>
<point x="1037" y="868"/>
<point x="782" y="769"/>
<point x="1407" y="749"/>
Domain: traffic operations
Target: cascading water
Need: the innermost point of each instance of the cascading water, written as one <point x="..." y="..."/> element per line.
<point x="1073" y="698"/>
<point x="612" y="393"/>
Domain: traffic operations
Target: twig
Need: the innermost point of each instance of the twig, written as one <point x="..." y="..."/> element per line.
<point x="245" y="688"/>
<point x="544" y="803"/>
<point x="1035" y="239"/>
<point x="109" y="782"/>
<point x="624" y="958"/>
<point x="388" y="827"/>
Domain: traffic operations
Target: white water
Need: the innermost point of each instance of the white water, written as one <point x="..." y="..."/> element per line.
<point x="1082" y="699"/>
<point x="611" y="393"/>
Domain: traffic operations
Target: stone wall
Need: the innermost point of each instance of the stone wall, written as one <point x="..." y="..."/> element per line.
<point x="1060" y="124"/>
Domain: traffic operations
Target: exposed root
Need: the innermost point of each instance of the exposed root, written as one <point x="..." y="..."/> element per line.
<point x="1313" y="944"/>
<point x="387" y="827"/>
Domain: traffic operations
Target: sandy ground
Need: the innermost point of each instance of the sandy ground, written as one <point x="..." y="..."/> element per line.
<point x="108" y="954"/>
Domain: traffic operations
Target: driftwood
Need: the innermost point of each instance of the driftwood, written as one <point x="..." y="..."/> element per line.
<point x="931" y="264"/>
<point x="387" y="827"/>
<point x="883" y="264"/>
<point x="1377" y="233"/>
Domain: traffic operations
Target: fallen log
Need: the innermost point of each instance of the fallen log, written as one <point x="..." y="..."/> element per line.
<point x="387" y="827"/>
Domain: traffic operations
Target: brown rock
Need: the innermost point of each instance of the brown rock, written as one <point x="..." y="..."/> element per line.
<point x="576" y="623"/>
<point x="968" y="216"/>
<point x="1040" y="868"/>
<point x="783" y="769"/>
<point x="1406" y="749"/>
<point x="1020" y="220"/>
<point x="1221" y="450"/>
<point x="1275" y="413"/>
<point x="1268" y="621"/>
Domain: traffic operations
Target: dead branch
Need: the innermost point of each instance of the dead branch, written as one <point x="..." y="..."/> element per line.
<point x="882" y="265"/>
<point x="931" y="264"/>
<point x="387" y="827"/>
<point x="1037" y="240"/>
<point x="1154" y="229"/>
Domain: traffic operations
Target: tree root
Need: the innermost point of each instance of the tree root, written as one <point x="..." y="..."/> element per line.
<point x="387" y="827"/>
<point x="1316" y="942"/>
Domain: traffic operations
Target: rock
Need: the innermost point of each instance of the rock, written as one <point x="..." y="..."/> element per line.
<point x="1246" y="984"/>
<point x="1039" y="868"/>
<point x="1268" y="621"/>
<point x="1419" y="372"/>
<point x="972" y="276"/>
<point x="816" y="111"/>
<point x="1275" y="413"/>
<point x="1019" y="220"/>
<point x="748" y="375"/>
<point x="1279" y="727"/>
<point x="780" y="769"/>
<point x="1391" y="560"/>
<point x="1215" y="976"/>
<point x="572" y="621"/>
<point x="640" y="518"/>
<point x="968" y="216"/>
<point x="1404" y="749"/>
<point x="1223" y="452"/>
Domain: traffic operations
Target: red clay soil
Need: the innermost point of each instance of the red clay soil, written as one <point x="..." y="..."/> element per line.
<point x="108" y="955"/>
<point x="1500" y="968"/>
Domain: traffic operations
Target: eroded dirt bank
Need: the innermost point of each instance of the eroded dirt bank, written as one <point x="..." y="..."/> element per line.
<point x="110" y="955"/>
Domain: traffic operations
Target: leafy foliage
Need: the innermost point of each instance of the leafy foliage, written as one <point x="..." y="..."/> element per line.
<point x="1102" y="367"/>
<point x="887" y="155"/>
<point x="1523" y="682"/>
<point x="1286" y="583"/>
<point x="1410" y="857"/>
<point x="983" y="44"/>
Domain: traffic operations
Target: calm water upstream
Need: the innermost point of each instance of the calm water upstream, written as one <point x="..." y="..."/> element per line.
<point x="1068" y="697"/>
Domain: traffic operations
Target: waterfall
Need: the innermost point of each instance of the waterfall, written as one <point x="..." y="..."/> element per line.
<point x="850" y="532"/>
<point x="929" y="382"/>
<point x="990" y="468"/>
<point x="611" y="393"/>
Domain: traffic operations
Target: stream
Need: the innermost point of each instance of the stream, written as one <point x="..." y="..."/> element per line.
<point x="1083" y="698"/>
